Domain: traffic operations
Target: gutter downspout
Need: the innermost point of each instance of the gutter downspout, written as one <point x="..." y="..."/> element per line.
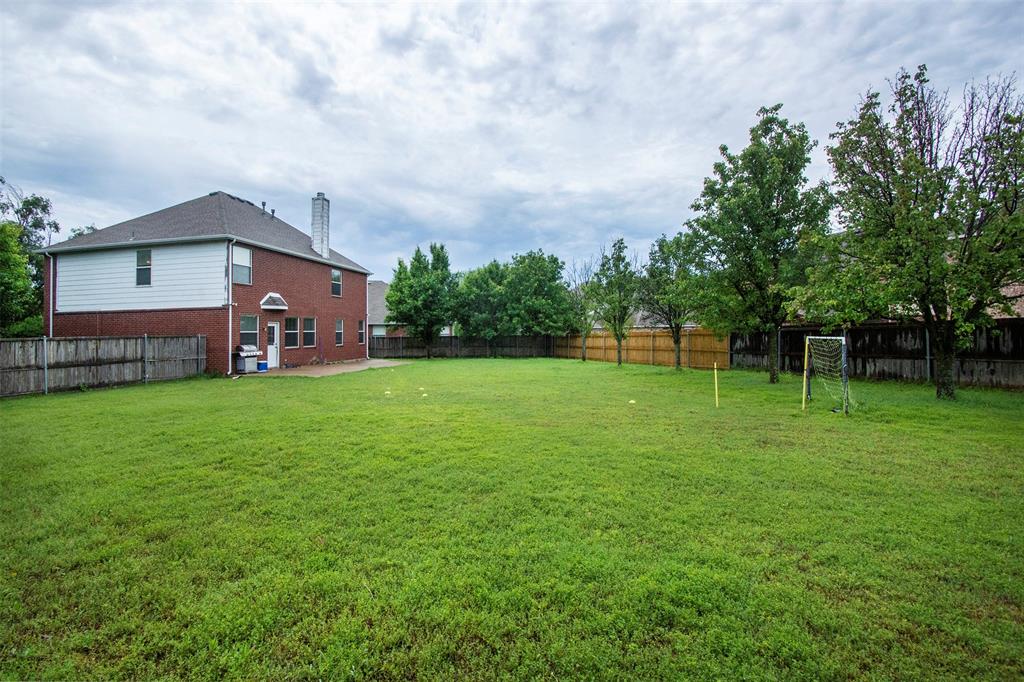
<point x="366" y="319"/>
<point x="228" y="283"/>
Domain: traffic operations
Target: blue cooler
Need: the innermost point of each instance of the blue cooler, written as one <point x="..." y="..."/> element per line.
<point x="261" y="365"/>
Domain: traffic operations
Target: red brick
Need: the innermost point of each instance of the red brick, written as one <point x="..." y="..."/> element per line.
<point x="304" y="284"/>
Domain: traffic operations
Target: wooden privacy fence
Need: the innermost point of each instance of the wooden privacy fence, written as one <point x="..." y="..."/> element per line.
<point x="457" y="347"/>
<point x="994" y="357"/>
<point x="41" y="365"/>
<point x="700" y="348"/>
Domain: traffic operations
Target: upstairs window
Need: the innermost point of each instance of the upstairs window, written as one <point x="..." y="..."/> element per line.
<point x="241" y="265"/>
<point x="339" y="332"/>
<point x="143" y="267"/>
<point x="308" y="331"/>
<point x="249" y="330"/>
<point x="362" y="331"/>
<point x="291" y="332"/>
<point x="335" y="282"/>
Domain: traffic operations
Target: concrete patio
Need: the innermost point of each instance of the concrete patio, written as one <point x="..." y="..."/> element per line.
<point x="327" y="370"/>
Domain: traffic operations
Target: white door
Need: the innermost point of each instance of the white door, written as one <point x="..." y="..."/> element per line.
<point x="273" y="344"/>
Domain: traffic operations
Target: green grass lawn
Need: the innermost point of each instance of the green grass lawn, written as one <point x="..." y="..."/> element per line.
<point x="521" y="520"/>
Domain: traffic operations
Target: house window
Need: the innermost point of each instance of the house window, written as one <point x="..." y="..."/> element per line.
<point x="339" y="332"/>
<point x="362" y="331"/>
<point x="291" y="332"/>
<point x="143" y="267"/>
<point x="308" y="331"/>
<point x="249" y="330"/>
<point x="335" y="282"/>
<point x="378" y="330"/>
<point x="241" y="265"/>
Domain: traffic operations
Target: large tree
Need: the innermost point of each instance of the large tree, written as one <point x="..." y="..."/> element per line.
<point x="537" y="298"/>
<point x="582" y="290"/>
<point x="930" y="199"/>
<point x="672" y="289"/>
<point x="481" y="303"/>
<point x="617" y="288"/>
<point x="421" y="294"/>
<point x="751" y="217"/>
<point x="32" y="214"/>
<point x="16" y="295"/>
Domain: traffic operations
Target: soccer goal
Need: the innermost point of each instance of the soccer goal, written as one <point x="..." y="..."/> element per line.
<point x="825" y="360"/>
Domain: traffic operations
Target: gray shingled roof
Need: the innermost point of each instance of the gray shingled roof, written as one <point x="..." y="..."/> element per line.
<point x="376" y="306"/>
<point x="217" y="214"/>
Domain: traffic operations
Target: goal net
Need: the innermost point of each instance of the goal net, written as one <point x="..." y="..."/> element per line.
<point x="825" y="366"/>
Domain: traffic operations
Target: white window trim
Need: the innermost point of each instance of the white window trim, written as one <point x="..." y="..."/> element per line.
<point x="361" y="332"/>
<point x="341" y="285"/>
<point x="342" y="333"/>
<point x="257" y="332"/>
<point x="143" y="267"/>
<point x="302" y="331"/>
<point x="234" y="248"/>
<point x="298" y="327"/>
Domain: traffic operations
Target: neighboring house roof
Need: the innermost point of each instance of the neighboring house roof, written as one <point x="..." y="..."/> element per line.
<point x="217" y="215"/>
<point x="376" y="303"/>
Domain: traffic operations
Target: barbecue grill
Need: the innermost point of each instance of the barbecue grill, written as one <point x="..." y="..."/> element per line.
<point x="246" y="358"/>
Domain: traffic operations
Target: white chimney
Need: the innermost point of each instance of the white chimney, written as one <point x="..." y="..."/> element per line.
<point x="321" y="230"/>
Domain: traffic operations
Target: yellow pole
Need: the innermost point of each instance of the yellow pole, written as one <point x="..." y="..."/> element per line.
<point x="716" y="384"/>
<point x="803" y="398"/>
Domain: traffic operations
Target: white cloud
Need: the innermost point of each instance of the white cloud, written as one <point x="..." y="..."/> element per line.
<point x="495" y="129"/>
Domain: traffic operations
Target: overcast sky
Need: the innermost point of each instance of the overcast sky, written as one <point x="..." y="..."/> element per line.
<point x="495" y="129"/>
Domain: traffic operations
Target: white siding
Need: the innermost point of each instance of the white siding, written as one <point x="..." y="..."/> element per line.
<point x="184" y="276"/>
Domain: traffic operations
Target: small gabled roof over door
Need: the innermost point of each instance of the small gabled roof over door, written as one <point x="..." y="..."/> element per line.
<point x="274" y="301"/>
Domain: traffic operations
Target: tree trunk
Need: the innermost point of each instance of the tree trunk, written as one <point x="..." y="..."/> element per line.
<point x="677" y="342"/>
<point x="583" y="350"/>
<point x="944" y="336"/>
<point x="773" y="356"/>
<point x="618" y="351"/>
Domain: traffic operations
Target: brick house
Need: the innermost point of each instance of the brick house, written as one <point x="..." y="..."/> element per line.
<point x="377" y="310"/>
<point x="220" y="266"/>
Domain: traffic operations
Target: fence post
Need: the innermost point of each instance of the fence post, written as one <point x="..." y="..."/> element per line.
<point x="197" y="354"/>
<point x="46" y="367"/>
<point x="145" y="358"/>
<point x="927" y="356"/>
<point x="652" y="346"/>
<point x="778" y="349"/>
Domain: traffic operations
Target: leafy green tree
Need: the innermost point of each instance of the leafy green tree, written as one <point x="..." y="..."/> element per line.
<point x="84" y="229"/>
<point x="931" y="199"/>
<point x="481" y="304"/>
<point x="582" y="291"/>
<point x="16" y="294"/>
<point x="32" y="214"/>
<point x="617" y="289"/>
<point x="421" y="294"/>
<point x="751" y="216"/>
<point x="536" y="296"/>
<point x="671" y="290"/>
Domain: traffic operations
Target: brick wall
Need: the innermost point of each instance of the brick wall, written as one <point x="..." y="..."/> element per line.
<point x="306" y="286"/>
<point x="211" y="322"/>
